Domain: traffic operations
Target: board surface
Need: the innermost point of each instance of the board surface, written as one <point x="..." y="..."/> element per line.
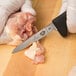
<point x="60" y="52"/>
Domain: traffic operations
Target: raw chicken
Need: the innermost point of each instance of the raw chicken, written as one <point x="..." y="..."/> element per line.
<point x="19" y="27"/>
<point x="35" y="52"/>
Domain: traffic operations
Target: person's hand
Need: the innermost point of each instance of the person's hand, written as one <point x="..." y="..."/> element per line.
<point x="70" y="7"/>
<point x="7" y="7"/>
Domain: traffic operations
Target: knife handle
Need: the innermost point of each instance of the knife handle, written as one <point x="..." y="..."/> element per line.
<point x="60" y="24"/>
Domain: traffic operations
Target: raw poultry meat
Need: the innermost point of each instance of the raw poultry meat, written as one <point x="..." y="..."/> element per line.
<point x="19" y="27"/>
<point x="35" y="52"/>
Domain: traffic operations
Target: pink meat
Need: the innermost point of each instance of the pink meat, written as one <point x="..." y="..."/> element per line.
<point x="35" y="52"/>
<point x="20" y="26"/>
<point x="39" y="59"/>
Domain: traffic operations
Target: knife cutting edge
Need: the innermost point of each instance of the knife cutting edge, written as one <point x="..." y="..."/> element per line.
<point x="59" y="24"/>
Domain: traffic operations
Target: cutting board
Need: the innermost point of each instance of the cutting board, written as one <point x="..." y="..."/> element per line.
<point x="60" y="53"/>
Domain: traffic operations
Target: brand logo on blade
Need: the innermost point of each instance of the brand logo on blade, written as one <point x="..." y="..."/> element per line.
<point x="42" y="33"/>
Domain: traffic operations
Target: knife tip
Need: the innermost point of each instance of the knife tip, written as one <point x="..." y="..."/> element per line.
<point x="14" y="51"/>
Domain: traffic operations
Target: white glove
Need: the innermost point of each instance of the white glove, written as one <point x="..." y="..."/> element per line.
<point x="64" y="6"/>
<point x="70" y="7"/>
<point x="27" y="7"/>
<point x="6" y="8"/>
<point x="71" y="16"/>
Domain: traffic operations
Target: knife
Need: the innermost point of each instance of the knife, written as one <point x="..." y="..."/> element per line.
<point x="59" y="24"/>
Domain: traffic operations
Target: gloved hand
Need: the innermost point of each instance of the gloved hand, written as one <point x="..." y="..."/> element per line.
<point x="70" y="7"/>
<point x="7" y="7"/>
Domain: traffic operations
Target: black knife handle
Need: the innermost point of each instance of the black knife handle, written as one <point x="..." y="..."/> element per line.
<point x="60" y="24"/>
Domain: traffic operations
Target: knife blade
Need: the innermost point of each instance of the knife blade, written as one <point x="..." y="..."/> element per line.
<point x="55" y="25"/>
<point x="42" y="33"/>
